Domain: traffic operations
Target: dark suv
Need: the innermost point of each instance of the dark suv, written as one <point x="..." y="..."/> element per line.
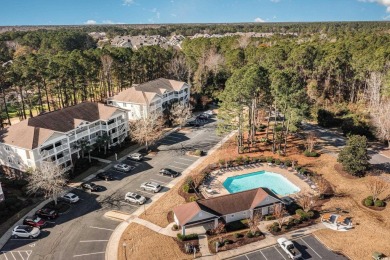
<point x="169" y="172"/>
<point x="47" y="213"/>
<point x="91" y="186"/>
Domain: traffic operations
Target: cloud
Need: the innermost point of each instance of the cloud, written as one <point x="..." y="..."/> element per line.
<point x="128" y="2"/>
<point x="90" y="22"/>
<point x="381" y="2"/>
<point x="386" y="17"/>
<point x="259" y="20"/>
<point x="111" y="22"/>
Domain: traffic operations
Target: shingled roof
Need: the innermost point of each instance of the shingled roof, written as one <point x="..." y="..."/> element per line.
<point x="145" y="92"/>
<point x="32" y="132"/>
<point x="223" y="205"/>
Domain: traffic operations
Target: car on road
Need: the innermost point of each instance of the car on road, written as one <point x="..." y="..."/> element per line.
<point x="202" y="117"/>
<point x="47" y="213"/>
<point x="123" y="167"/>
<point x="25" y="231"/>
<point x="135" y="198"/>
<point x="105" y="176"/>
<point x="70" y="197"/>
<point x="135" y="157"/>
<point x="91" y="186"/>
<point x="289" y="248"/>
<point x="169" y="172"/>
<point x="151" y="186"/>
<point x="34" y="221"/>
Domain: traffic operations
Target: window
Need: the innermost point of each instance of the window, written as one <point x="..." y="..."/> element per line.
<point x="7" y="148"/>
<point x="9" y="159"/>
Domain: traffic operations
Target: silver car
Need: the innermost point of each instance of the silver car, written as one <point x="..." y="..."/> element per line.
<point x="135" y="157"/>
<point x="135" y="198"/>
<point x="151" y="186"/>
<point x="25" y="231"/>
<point x="70" y="197"/>
<point x="123" y="167"/>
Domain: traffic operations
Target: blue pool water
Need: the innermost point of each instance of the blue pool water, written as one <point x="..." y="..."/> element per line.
<point x="273" y="181"/>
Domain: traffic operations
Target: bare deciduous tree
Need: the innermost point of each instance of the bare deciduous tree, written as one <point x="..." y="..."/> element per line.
<point x="373" y="91"/>
<point x="323" y="185"/>
<point x="49" y="178"/>
<point x="306" y="202"/>
<point x="311" y="140"/>
<point x="219" y="230"/>
<point x="381" y="120"/>
<point x="214" y="60"/>
<point x="376" y="186"/>
<point x="147" y="130"/>
<point x="280" y="214"/>
<point x="243" y="41"/>
<point x="180" y="113"/>
<point x="178" y="68"/>
<point x="254" y="222"/>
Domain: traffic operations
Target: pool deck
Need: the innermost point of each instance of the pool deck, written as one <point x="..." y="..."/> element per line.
<point x="218" y="177"/>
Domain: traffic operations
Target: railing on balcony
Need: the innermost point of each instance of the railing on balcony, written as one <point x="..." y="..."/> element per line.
<point x="104" y="127"/>
<point x="61" y="147"/>
<point x="94" y="129"/>
<point x="63" y="159"/>
<point x="45" y="153"/>
<point x="72" y="138"/>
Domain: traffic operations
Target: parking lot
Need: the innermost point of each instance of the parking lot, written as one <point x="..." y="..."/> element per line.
<point x="309" y="247"/>
<point x="83" y="231"/>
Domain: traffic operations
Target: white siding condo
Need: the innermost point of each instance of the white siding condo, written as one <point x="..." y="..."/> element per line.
<point x="54" y="135"/>
<point x="151" y="96"/>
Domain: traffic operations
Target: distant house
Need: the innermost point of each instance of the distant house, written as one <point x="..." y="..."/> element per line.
<point x="54" y="136"/>
<point x="228" y="208"/>
<point x="150" y="96"/>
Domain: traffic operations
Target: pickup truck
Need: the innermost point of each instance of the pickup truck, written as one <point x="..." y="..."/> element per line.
<point x="289" y="248"/>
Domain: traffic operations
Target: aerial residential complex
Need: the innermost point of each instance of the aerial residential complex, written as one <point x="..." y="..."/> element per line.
<point x="54" y="135"/>
<point x="155" y="95"/>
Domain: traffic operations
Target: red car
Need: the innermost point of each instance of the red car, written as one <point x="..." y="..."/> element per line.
<point x="34" y="221"/>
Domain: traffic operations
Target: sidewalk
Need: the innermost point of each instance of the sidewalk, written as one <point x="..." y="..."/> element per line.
<point x="113" y="243"/>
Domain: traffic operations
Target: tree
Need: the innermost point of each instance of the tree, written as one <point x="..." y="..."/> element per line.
<point x="48" y="178"/>
<point x="381" y="120"/>
<point x="219" y="230"/>
<point x="323" y="186"/>
<point x="106" y="139"/>
<point x="376" y="186"/>
<point x="180" y="113"/>
<point x="254" y="222"/>
<point x="306" y="202"/>
<point x="280" y="214"/>
<point x="311" y="140"/>
<point x="147" y="130"/>
<point x="354" y="156"/>
<point x="177" y="68"/>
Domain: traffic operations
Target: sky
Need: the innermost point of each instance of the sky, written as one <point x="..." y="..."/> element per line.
<point x="76" y="12"/>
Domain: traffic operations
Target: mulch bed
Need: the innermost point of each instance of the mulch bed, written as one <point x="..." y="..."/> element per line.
<point x="295" y="227"/>
<point x="170" y="217"/>
<point x="374" y="207"/>
<point x="187" y="196"/>
<point x="339" y="169"/>
<point x="194" y="242"/>
<point x="236" y="242"/>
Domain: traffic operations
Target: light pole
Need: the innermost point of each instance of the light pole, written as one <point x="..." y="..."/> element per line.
<point x="124" y="249"/>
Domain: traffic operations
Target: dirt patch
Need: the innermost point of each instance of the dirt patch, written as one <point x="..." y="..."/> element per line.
<point x="143" y="243"/>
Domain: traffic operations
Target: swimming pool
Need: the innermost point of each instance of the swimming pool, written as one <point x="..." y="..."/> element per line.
<point x="273" y="181"/>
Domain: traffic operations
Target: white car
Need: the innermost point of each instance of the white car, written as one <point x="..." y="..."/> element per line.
<point x="135" y="157"/>
<point x="70" y="197"/>
<point x="289" y="248"/>
<point x="151" y="186"/>
<point x="135" y="198"/>
<point x="123" y="167"/>
<point x="25" y="231"/>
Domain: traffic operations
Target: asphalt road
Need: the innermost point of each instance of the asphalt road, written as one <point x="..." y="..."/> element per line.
<point x="309" y="247"/>
<point x="83" y="232"/>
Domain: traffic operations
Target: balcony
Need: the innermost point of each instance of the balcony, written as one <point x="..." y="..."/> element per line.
<point x="61" y="147"/>
<point x="63" y="159"/>
<point x="94" y="129"/>
<point x="72" y="138"/>
<point x="45" y="153"/>
<point x="104" y="127"/>
<point x="82" y="134"/>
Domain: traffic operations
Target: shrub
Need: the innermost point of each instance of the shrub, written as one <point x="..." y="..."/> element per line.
<point x="222" y="161"/>
<point x="249" y="235"/>
<point x="275" y="228"/>
<point x="288" y="163"/>
<point x="270" y="159"/>
<point x="239" y="160"/>
<point x="277" y="161"/>
<point x="192" y="198"/>
<point x="186" y="188"/>
<point x="269" y="217"/>
<point x="302" y="214"/>
<point x="354" y="156"/>
<point x="326" y="118"/>
<point x="370" y="198"/>
<point x="238" y="235"/>
<point x="307" y="153"/>
<point x="262" y="159"/>
<point x="175" y="227"/>
<point x="257" y="233"/>
<point x="187" y="237"/>
<point x="198" y="152"/>
<point x="227" y="241"/>
<point x="379" y="203"/>
<point x="247" y="160"/>
<point x="297" y="221"/>
<point x="310" y="214"/>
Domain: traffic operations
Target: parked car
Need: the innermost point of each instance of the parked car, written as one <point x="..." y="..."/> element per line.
<point x="135" y="198"/>
<point x="169" y="172"/>
<point x="91" y="186"/>
<point x="135" y="157"/>
<point x="151" y="186"/>
<point x="47" y="213"/>
<point x="202" y="117"/>
<point x="34" y="221"/>
<point x="25" y="231"/>
<point x="289" y="248"/>
<point x="105" y="176"/>
<point x="194" y="123"/>
<point x="70" y="197"/>
<point x="123" y="167"/>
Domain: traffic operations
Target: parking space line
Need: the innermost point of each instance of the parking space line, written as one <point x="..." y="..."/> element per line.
<point x="263" y="255"/>
<point x="89" y="241"/>
<point x="186" y="164"/>
<point x="5" y="255"/>
<point x="246" y="257"/>
<point x="12" y="255"/>
<point x="163" y="175"/>
<point x="89" y="254"/>
<point x="144" y="191"/>
<point x="101" y="228"/>
<point x="21" y="255"/>
<point x="159" y="181"/>
<point x="311" y="248"/>
<point x="177" y="167"/>
<point x="279" y="252"/>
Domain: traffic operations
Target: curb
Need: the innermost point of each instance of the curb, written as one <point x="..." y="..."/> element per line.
<point x="113" y="242"/>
